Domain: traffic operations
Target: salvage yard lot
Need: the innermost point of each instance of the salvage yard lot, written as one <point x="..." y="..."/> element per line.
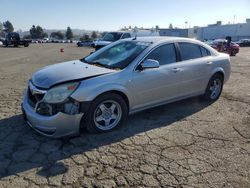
<point x="188" y="143"/>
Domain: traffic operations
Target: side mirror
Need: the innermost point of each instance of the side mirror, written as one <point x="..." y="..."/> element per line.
<point x="149" y="64"/>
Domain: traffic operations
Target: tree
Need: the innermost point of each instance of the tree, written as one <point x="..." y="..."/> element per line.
<point x="170" y="26"/>
<point x="103" y="34"/>
<point x="1" y="26"/>
<point x="8" y="27"/>
<point x="57" y="35"/>
<point x="157" y="27"/>
<point x="27" y="37"/>
<point x="37" y="32"/>
<point x="33" y="33"/>
<point x="69" y="33"/>
<point x="85" y="37"/>
<point x="124" y="28"/>
<point x="93" y="35"/>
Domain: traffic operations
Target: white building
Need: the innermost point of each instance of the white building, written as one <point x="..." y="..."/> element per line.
<point x="217" y="31"/>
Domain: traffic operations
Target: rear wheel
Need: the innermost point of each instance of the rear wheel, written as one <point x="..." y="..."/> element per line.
<point x="214" y="88"/>
<point x="106" y="113"/>
<point x="233" y="53"/>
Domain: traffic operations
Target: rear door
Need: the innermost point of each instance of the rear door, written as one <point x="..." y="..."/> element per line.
<point x="193" y="69"/>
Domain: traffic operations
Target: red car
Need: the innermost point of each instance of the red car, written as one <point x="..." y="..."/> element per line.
<point x="221" y="46"/>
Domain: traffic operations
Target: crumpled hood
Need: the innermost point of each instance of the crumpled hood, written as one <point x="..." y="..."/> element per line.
<point x="67" y="71"/>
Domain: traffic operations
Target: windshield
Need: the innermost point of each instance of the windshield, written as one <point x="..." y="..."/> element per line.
<point x="112" y="36"/>
<point x="117" y="56"/>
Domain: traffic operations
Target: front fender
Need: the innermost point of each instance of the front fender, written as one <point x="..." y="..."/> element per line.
<point x="85" y="93"/>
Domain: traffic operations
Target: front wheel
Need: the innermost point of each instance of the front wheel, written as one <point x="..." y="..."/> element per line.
<point x="106" y="113"/>
<point x="214" y="88"/>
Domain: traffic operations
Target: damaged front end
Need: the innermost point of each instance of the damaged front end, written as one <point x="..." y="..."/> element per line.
<point x="57" y="99"/>
<point x="53" y="112"/>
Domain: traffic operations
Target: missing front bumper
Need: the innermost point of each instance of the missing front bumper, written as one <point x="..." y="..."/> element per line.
<point x="58" y="125"/>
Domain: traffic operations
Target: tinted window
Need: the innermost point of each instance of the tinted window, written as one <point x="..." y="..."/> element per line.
<point x="164" y="54"/>
<point x="126" y="35"/>
<point x="204" y="51"/>
<point x="189" y="51"/>
<point x="113" y="36"/>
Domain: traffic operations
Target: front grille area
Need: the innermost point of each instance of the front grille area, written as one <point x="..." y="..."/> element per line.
<point x="35" y="100"/>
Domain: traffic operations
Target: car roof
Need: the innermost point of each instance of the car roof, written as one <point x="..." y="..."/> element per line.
<point x="155" y="40"/>
<point x="159" y="39"/>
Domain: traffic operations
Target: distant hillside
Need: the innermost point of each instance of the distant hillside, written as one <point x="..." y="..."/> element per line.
<point x="76" y="32"/>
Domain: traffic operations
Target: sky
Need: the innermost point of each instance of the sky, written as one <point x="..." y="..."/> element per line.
<point x="104" y="15"/>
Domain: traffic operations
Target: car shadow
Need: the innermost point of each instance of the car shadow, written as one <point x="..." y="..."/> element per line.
<point x="22" y="149"/>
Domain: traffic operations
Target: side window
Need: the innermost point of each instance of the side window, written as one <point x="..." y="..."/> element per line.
<point x="126" y="35"/>
<point x="204" y="52"/>
<point x="189" y="51"/>
<point x="165" y="54"/>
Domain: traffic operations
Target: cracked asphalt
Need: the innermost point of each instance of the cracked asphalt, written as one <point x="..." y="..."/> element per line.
<point x="184" y="144"/>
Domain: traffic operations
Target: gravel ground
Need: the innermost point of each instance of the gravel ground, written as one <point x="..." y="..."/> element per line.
<point x="184" y="144"/>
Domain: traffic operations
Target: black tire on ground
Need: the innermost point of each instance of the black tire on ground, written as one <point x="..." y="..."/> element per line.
<point x="98" y="47"/>
<point x="207" y="96"/>
<point x="89" y="121"/>
<point x="26" y="45"/>
<point x="233" y="53"/>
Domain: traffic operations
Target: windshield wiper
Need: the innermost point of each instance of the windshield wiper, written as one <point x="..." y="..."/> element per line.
<point x="96" y="63"/>
<point x="99" y="64"/>
<point x="84" y="60"/>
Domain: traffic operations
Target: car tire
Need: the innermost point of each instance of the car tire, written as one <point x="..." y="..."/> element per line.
<point x="214" y="88"/>
<point x="107" y="112"/>
<point x="233" y="53"/>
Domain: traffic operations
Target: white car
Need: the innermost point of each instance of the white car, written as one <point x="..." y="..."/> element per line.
<point x="110" y="37"/>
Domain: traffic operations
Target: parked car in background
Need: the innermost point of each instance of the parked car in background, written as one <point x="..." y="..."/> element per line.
<point x="84" y="43"/>
<point x="99" y="91"/>
<point x="13" y="39"/>
<point x="45" y="40"/>
<point x="221" y="45"/>
<point x="244" y="43"/>
<point x="110" y="37"/>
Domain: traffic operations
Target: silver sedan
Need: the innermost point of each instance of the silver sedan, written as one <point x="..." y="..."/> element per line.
<point x="127" y="76"/>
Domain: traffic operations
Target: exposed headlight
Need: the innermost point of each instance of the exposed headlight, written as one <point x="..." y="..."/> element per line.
<point x="60" y="93"/>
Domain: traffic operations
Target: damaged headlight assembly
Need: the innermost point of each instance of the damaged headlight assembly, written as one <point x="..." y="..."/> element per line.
<point x="60" y="93"/>
<point x="57" y="99"/>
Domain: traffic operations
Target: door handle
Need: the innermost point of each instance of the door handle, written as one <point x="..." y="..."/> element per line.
<point x="177" y="70"/>
<point x="209" y="63"/>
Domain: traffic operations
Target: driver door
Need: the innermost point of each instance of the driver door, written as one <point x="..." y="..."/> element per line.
<point x="155" y="85"/>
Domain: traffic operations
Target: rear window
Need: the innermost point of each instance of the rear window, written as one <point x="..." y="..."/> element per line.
<point x="189" y="51"/>
<point x="112" y="36"/>
<point x="204" y="52"/>
<point x="126" y="35"/>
